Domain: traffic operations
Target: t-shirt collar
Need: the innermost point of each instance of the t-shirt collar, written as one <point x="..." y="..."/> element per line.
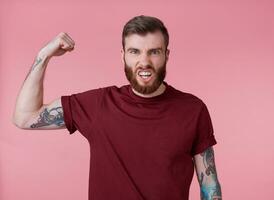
<point x="148" y="99"/>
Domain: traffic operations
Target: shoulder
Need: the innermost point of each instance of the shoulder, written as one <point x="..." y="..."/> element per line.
<point x="187" y="98"/>
<point x="95" y="91"/>
<point x="100" y="92"/>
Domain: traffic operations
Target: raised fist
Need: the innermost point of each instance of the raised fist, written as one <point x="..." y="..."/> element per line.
<point x="58" y="46"/>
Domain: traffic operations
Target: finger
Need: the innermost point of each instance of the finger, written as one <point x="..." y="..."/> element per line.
<point x="64" y="44"/>
<point x="69" y="38"/>
<point x="63" y="36"/>
<point x="71" y="49"/>
<point x="69" y="42"/>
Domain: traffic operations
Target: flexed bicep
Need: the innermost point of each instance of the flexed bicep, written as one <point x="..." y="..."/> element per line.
<point x="49" y="116"/>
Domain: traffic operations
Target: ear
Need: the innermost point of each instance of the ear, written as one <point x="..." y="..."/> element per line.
<point x="122" y="56"/>
<point x="167" y="54"/>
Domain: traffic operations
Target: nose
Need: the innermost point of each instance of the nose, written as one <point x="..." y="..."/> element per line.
<point x="144" y="60"/>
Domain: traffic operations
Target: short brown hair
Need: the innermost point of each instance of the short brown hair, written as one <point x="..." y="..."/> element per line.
<point x="143" y="25"/>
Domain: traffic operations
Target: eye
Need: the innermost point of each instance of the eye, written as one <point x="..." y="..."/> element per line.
<point x="133" y="51"/>
<point x="155" y="51"/>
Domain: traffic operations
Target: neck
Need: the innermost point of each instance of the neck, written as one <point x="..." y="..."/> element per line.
<point x="159" y="91"/>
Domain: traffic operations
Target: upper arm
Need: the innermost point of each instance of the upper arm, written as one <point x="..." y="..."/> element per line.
<point x="49" y="116"/>
<point x="205" y="167"/>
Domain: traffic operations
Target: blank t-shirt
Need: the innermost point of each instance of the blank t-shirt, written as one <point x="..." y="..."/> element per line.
<point x="140" y="148"/>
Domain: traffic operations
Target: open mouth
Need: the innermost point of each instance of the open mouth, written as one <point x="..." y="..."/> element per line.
<point x="145" y="74"/>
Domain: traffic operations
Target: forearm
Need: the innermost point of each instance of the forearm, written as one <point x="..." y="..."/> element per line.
<point x="211" y="191"/>
<point x="30" y="97"/>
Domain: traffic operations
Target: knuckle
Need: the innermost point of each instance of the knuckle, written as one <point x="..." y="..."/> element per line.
<point x="59" y="40"/>
<point x="62" y="35"/>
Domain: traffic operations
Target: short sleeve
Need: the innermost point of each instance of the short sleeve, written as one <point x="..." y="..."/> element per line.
<point x="67" y="112"/>
<point x="204" y="132"/>
<point x="79" y="110"/>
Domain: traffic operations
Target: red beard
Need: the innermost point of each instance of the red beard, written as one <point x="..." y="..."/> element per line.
<point x="158" y="80"/>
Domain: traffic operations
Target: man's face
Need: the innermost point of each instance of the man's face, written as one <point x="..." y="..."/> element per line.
<point x="145" y="59"/>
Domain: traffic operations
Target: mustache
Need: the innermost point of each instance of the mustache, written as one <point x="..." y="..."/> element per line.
<point x="144" y="68"/>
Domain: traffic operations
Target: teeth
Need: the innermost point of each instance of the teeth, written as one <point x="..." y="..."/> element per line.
<point x="144" y="73"/>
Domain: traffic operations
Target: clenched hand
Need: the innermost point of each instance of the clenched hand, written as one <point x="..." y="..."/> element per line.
<point x="58" y="46"/>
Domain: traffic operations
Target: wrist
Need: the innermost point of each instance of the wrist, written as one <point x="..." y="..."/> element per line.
<point x="43" y="56"/>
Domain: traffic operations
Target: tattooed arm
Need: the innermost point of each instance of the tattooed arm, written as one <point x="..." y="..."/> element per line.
<point x="49" y="116"/>
<point x="207" y="175"/>
<point x="30" y="112"/>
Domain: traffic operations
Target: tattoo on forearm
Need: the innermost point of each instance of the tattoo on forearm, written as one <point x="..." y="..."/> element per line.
<point x="209" y="192"/>
<point x="208" y="160"/>
<point x="37" y="61"/>
<point x="201" y="177"/>
<point x="49" y="117"/>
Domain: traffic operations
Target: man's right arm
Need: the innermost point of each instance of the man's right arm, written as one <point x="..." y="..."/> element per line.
<point x="49" y="116"/>
<point x="30" y="112"/>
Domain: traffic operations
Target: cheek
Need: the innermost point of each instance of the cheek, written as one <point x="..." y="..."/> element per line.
<point x="158" y="62"/>
<point x="130" y="62"/>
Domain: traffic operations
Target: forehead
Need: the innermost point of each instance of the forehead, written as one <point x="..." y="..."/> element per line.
<point x="148" y="41"/>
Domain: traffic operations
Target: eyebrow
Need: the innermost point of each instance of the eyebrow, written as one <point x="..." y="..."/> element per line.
<point x="158" y="48"/>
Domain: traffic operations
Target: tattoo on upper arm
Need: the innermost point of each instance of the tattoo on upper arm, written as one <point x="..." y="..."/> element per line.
<point x="49" y="117"/>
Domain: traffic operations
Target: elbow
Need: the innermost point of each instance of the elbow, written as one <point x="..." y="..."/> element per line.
<point x="19" y="122"/>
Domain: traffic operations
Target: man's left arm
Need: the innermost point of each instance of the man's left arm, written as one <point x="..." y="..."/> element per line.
<point x="207" y="175"/>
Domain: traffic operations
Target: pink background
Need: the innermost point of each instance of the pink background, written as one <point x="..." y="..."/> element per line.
<point x="223" y="52"/>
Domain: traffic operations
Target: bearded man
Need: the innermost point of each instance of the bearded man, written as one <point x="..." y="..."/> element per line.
<point x="146" y="138"/>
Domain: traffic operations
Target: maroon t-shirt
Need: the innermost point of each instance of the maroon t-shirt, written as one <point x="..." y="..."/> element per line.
<point x="141" y="148"/>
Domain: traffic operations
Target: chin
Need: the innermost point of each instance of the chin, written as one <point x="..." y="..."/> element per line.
<point x="142" y="86"/>
<point x="145" y="88"/>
